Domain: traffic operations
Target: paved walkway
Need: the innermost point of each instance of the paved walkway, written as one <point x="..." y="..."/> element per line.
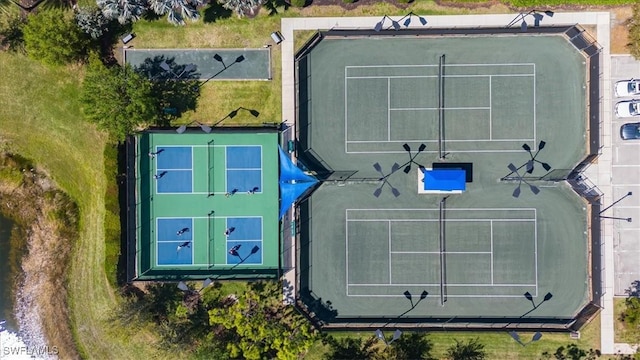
<point x="599" y="173"/>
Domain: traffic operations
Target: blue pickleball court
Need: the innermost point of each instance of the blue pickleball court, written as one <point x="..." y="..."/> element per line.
<point x="168" y="240"/>
<point x="174" y="169"/>
<point x="244" y="168"/>
<point x="247" y="234"/>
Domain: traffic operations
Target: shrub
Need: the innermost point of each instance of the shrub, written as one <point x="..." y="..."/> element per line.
<point x="299" y="3"/>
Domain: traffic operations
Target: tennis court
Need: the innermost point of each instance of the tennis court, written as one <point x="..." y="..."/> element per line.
<point x="207" y="203"/>
<point x="384" y="109"/>
<point x="208" y="64"/>
<point x="391" y="104"/>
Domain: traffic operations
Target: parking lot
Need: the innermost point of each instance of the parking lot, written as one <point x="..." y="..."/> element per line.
<point x="625" y="177"/>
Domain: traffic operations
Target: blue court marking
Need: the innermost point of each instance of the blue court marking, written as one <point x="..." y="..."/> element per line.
<point x="168" y="254"/>
<point x="245" y="228"/>
<point x="174" y="181"/>
<point x="166" y="230"/>
<point x="245" y="252"/>
<point x="244" y="180"/>
<point x="174" y="157"/>
<point x="244" y="157"/>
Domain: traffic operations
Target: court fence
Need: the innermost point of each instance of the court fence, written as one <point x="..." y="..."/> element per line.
<point x="322" y="315"/>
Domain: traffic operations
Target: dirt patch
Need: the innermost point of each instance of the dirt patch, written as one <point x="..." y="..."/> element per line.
<point x="619" y="32"/>
<point x="48" y="217"/>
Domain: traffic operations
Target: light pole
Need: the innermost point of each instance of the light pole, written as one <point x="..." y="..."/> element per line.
<point x="610" y="206"/>
<point x="182" y="128"/>
<point x="234" y="113"/>
<point x="387" y="343"/>
<point x="380" y="24"/>
<point x="516" y="337"/>
<point x="537" y="17"/>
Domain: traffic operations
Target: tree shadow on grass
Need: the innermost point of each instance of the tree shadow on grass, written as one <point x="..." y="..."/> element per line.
<point x="175" y="86"/>
<point x="215" y="11"/>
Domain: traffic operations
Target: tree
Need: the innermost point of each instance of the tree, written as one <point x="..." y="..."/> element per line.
<point x="117" y="99"/>
<point x="11" y="34"/>
<point x="261" y="326"/>
<point x="92" y="22"/>
<point x="412" y="346"/>
<point x="351" y="348"/>
<point x="177" y="10"/>
<point x="572" y="352"/>
<point x="51" y="36"/>
<point x="174" y="86"/>
<point x="472" y="350"/>
<point x="634" y="31"/>
<point x="242" y="7"/>
<point x="125" y="11"/>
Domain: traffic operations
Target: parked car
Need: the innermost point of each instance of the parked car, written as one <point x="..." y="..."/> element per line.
<point x="628" y="87"/>
<point x="630" y="131"/>
<point x="628" y="108"/>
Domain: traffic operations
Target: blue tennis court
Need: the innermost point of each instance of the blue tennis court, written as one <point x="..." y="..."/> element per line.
<point x="172" y="233"/>
<point x="246" y="238"/>
<point x="174" y="169"/>
<point x="244" y="168"/>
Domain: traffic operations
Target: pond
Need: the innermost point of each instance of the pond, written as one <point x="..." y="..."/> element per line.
<point x="7" y="277"/>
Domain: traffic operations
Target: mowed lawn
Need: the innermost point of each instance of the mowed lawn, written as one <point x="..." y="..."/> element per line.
<point x="40" y="118"/>
<point x="498" y="345"/>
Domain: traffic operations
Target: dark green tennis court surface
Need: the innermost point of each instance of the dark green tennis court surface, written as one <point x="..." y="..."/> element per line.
<point x="372" y="102"/>
<point x="207" y="203"/>
<point x="213" y="64"/>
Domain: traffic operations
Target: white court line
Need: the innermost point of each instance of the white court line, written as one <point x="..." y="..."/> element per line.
<point x="453" y="285"/>
<point x="490" y="109"/>
<point x="534" y="106"/>
<point x="180" y="169"/>
<point x="192" y="172"/>
<point x="436" y="209"/>
<point x="448" y="220"/>
<point x="445" y="108"/>
<point x="388" y="109"/>
<point x="438" y="252"/>
<point x="389" y="228"/>
<point x="468" y="140"/>
<point x="535" y="250"/>
<point x="434" y="65"/>
<point x="227" y="169"/>
<point x="346" y="117"/>
<point x="346" y="237"/>
<point x="491" y="228"/>
<point x="448" y="296"/>
<point x="435" y="151"/>
<point x="433" y="76"/>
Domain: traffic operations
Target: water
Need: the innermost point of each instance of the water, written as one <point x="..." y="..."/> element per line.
<point x="6" y="276"/>
<point x="28" y="342"/>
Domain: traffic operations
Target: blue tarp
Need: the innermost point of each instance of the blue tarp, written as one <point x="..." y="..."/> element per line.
<point x="444" y="179"/>
<point x="293" y="182"/>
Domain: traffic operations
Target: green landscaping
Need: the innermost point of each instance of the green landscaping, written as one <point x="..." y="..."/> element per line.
<point x="42" y="120"/>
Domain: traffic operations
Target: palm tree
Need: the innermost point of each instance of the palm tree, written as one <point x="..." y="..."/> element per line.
<point x="472" y="350"/>
<point x="124" y="10"/>
<point x="177" y="10"/>
<point x="242" y="7"/>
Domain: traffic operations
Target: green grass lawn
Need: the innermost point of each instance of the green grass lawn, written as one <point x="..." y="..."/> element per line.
<point x="41" y="119"/>
<point x="498" y="345"/>
<point x="622" y="332"/>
